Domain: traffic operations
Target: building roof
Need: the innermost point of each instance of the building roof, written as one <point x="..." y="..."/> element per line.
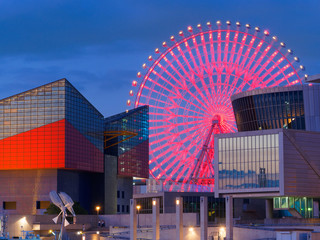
<point x="268" y="90"/>
<point x="123" y="114"/>
<point x="313" y="78"/>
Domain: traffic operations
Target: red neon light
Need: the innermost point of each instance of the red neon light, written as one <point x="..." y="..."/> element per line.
<point x="192" y="81"/>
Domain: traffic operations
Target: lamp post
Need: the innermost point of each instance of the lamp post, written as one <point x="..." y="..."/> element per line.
<point x="97" y="209"/>
<point x="138" y="208"/>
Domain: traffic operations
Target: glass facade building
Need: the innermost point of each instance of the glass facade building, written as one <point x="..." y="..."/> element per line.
<point x="127" y="137"/>
<point x="247" y="162"/>
<point x="303" y="205"/>
<point x="259" y="110"/>
<point x="51" y="126"/>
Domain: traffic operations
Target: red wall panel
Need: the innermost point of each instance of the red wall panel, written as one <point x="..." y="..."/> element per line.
<point x="42" y="147"/>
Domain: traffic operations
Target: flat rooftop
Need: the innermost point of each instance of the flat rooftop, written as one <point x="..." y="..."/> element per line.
<point x="314" y="78"/>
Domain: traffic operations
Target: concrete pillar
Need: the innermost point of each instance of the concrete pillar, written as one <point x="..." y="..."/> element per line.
<point x="229" y="218"/>
<point x="204" y="218"/>
<point x="155" y="218"/>
<point x="269" y="208"/>
<point x="179" y="218"/>
<point x="133" y="219"/>
<point x="315" y="209"/>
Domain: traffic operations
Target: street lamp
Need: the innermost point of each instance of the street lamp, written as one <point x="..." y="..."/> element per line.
<point x="138" y="208"/>
<point x="53" y="233"/>
<point x="97" y="209"/>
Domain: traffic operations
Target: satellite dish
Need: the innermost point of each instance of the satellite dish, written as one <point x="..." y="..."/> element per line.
<point x="62" y="201"/>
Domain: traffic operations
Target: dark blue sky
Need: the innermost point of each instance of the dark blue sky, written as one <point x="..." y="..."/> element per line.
<point x="100" y="45"/>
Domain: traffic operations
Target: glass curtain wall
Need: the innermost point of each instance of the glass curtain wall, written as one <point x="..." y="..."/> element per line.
<point x="249" y="162"/>
<point x="270" y="111"/>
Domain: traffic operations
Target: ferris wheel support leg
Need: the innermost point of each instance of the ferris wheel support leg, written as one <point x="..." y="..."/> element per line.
<point x="133" y="219"/>
<point x="204" y="218"/>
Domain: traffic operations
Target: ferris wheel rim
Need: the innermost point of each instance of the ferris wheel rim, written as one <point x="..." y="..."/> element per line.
<point x="285" y="77"/>
<point x="186" y="38"/>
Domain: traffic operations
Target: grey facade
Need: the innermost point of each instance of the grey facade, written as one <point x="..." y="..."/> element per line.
<point x="290" y="162"/>
<point x="294" y="107"/>
<point x="28" y="189"/>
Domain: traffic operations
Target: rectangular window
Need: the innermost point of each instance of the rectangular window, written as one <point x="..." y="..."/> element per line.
<point x="43" y="204"/>
<point x="122" y="194"/>
<point x="118" y="208"/>
<point x="9" y="205"/>
<point x="118" y="194"/>
<point x="123" y="208"/>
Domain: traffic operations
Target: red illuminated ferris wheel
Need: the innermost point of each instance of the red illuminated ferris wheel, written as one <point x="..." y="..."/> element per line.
<point x="188" y="83"/>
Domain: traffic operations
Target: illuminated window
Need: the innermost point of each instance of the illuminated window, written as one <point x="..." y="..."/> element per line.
<point x="10" y="205"/>
<point x="43" y="204"/>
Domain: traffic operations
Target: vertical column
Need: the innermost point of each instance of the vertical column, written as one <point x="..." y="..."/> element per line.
<point x="133" y="219"/>
<point x="315" y="209"/>
<point x="269" y="208"/>
<point x="179" y="218"/>
<point x="204" y="217"/>
<point x="229" y="218"/>
<point x="155" y="219"/>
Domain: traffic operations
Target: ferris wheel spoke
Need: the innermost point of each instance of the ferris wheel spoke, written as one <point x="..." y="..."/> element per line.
<point x="246" y="55"/>
<point x="254" y="56"/>
<point x="273" y="77"/>
<point x="198" y="73"/>
<point x="233" y="51"/>
<point x="176" y="106"/>
<point x="207" y="67"/>
<point x="192" y="81"/>
<point x="226" y="50"/>
<point x="264" y="68"/>
<point x="202" y="68"/>
<point x="191" y="162"/>
<point x="205" y="98"/>
<point x="268" y="72"/>
<point x="196" y="68"/>
<point x="241" y="48"/>
<point x="184" y="172"/>
<point x="258" y="62"/>
<point x="182" y="78"/>
<point x="184" y="86"/>
<point x="174" y="136"/>
<point x="196" y="132"/>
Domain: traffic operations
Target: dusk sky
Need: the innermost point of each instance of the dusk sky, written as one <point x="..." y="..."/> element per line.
<point x="100" y="45"/>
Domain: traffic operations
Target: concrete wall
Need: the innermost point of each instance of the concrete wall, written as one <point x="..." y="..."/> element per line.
<point x="249" y="209"/>
<point x="26" y="187"/>
<point x="189" y="219"/>
<point x="124" y="185"/>
<point x="299" y="178"/>
<point x="110" y="184"/>
<point x="16" y="223"/>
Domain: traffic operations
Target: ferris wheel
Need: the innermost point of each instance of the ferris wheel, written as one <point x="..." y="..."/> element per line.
<point x="187" y="84"/>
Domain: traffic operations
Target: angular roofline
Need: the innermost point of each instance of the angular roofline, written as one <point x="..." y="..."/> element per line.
<point x="123" y="114"/>
<point x="83" y="96"/>
<point x="313" y="78"/>
<point x="33" y="89"/>
<point x="62" y="79"/>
